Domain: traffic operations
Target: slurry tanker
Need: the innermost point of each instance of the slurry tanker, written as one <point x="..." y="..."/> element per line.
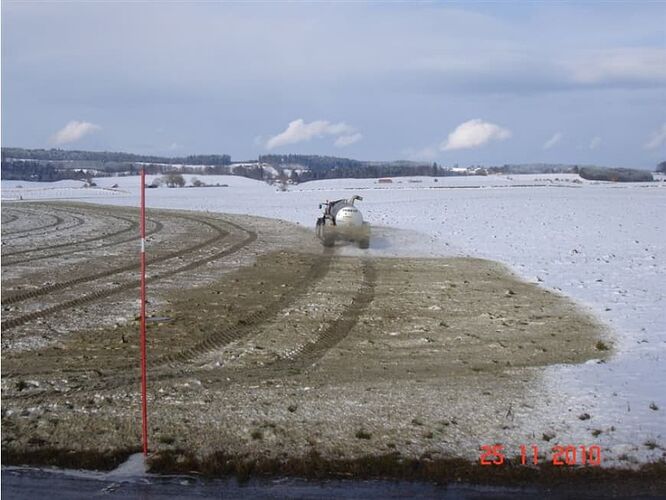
<point x="342" y="221"/>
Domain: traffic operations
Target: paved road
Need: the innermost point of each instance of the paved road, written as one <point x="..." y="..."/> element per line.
<point x="24" y="483"/>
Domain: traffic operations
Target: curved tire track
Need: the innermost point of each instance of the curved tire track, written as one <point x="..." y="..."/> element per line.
<point x="9" y="218"/>
<point x="228" y="334"/>
<point x="128" y="285"/>
<point x="58" y="220"/>
<point x="38" y="292"/>
<point x="158" y="226"/>
<point x="305" y="357"/>
<point x="336" y="331"/>
<point x="168" y="367"/>
<point x="58" y="226"/>
<point x="309" y="354"/>
<point x="89" y="213"/>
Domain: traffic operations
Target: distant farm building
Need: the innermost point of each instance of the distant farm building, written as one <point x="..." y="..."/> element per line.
<point x="385" y="181"/>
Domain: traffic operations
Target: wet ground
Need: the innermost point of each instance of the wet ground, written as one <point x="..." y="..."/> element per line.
<point x="29" y="484"/>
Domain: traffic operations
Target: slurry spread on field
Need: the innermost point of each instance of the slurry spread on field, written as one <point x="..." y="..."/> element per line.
<point x="265" y="345"/>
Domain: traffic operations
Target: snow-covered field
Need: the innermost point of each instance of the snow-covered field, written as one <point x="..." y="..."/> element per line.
<point x="67" y="189"/>
<point x="602" y="244"/>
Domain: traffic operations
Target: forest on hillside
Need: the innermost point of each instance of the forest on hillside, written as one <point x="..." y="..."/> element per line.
<point x="58" y="164"/>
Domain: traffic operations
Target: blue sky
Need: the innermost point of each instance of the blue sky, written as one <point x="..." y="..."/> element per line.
<point x="464" y="83"/>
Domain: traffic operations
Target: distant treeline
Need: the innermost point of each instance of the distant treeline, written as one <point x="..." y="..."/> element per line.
<point x="47" y="171"/>
<point x="615" y="174"/>
<point x="314" y="167"/>
<point x="661" y="167"/>
<point x="57" y="164"/>
<point x="366" y="171"/>
<point x="312" y="162"/>
<point x="534" y="168"/>
<point x="38" y="172"/>
<point x="105" y="157"/>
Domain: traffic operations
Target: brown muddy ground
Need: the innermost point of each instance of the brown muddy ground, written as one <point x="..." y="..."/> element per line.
<point x="262" y="346"/>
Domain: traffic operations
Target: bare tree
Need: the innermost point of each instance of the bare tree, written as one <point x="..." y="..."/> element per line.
<point x="174" y="179"/>
<point x="662" y="167"/>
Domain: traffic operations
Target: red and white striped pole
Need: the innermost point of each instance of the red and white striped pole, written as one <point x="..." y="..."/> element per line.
<point x="144" y="381"/>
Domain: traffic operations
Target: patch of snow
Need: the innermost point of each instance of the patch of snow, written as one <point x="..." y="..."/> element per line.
<point x="134" y="466"/>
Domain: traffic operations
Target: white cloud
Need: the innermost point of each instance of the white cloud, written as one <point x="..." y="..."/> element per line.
<point x="636" y="64"/>
<point x="428" y="153"/>
<point x="557" y="137"/>
<point x="595" y="142"/>
<point x="300" y="131"/>
<point x="473" y="134"/>
<point x="73" y="131"/>
<point x="348" y="140"/>
<point x="657" y="139"/>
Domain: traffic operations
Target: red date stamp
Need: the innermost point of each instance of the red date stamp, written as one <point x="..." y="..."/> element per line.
<point x="564" y="455"/>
